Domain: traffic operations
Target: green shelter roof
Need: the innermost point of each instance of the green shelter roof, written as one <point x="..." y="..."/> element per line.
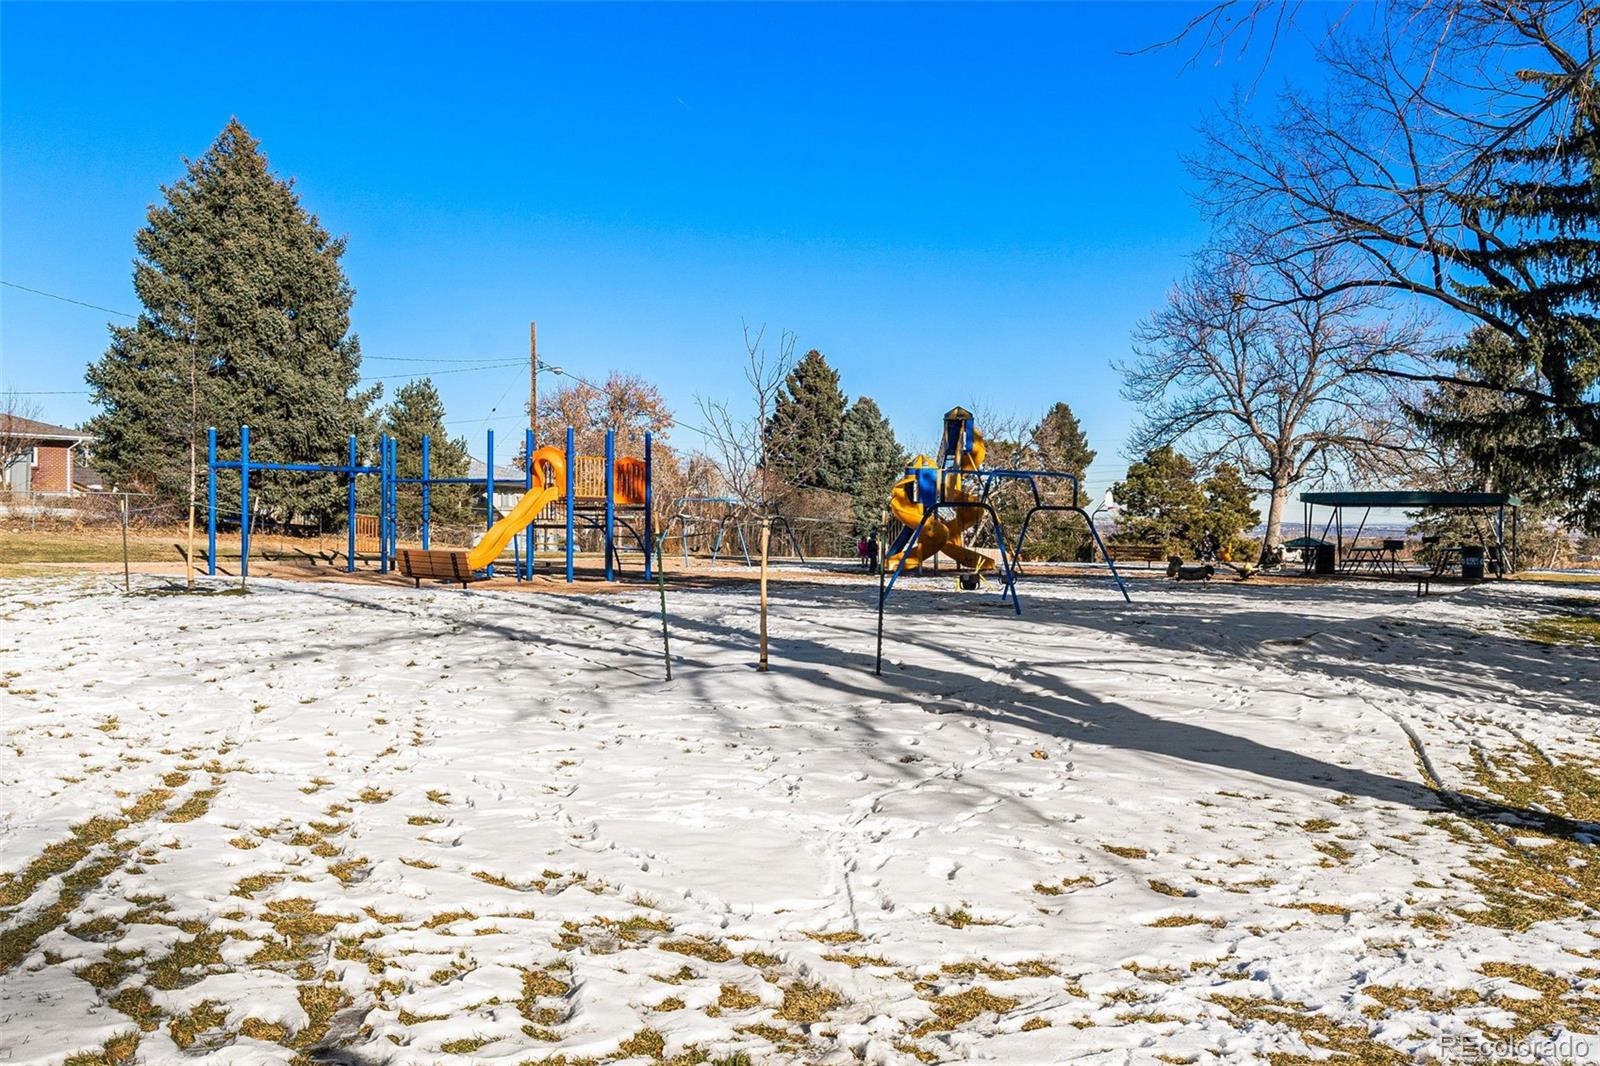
<point x="1410" y="499"/>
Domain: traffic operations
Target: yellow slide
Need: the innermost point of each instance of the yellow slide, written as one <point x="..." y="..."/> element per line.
<point x="939" y="535"/>
<point x="552" y="464"/>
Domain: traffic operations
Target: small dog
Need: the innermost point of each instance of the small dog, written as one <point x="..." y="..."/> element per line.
<point x="1175" y="568"/>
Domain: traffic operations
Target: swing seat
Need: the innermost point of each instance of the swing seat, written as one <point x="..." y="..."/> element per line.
<point x="436" y="565"/>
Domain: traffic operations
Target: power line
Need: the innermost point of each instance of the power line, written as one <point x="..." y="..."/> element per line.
<point x="393" y="358"/>
<point x="479" y="421"/>
<point x="602" y="389"/>
<point x="429" y="359"/>
<point x="506" y="391"/>
<point x="452" y="370"/>
<point x="67" y="299"/>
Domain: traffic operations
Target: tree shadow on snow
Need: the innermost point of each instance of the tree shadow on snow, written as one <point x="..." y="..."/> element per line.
<point x="949" y="677"/>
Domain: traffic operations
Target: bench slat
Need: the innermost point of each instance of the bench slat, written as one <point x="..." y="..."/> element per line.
<point x="436" y="565"/>
<point x="1136" y="553"/>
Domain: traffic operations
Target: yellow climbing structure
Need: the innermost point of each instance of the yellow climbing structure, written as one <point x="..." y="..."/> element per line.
<point x="955" y="485"/>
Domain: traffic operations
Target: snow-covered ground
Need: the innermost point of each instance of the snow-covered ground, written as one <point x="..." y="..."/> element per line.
<point x="440" y="826"/>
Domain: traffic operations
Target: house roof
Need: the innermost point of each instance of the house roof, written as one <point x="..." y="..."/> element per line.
<point x="503" y="474"/>
<point x="86" y="476"/>
<point x="1410" y="499"/>
<point x="17" y="426"/>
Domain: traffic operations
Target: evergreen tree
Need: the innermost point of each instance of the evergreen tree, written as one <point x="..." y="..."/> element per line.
<point x="1444" y="463"/>
<point x="865" y="462"/>
<point x="1161" y="504"/>
<point x="415" y="411"/>
<point x="1540" y="281"/>
<point x="1056" y="442"/>
<point x="805" y="425"/>
<point x="1059" y="443"/>
<point x="1493" y="216"/>
<point x="246" y="321"/>
<point x="1229" y="510"/>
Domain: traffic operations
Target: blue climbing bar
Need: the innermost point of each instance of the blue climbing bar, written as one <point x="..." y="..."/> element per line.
<point x="350" y="508"/>
<point x="488" y="489"/>
<point x="211" y="502"/>
<point x="611" y="498"/>
<point x="571" y="462"/>
<point x="427" y="510"/>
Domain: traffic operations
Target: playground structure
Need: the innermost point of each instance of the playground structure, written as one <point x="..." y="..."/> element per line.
<point x="599" y="492"/>
<point x="697" y="517"/>
<point x="937" y="501"/>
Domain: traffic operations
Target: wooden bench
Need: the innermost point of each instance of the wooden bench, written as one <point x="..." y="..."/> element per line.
<point x="436" y="565"/>
<point x="1135" y="553"/>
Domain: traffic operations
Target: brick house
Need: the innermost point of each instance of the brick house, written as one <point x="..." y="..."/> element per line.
<point x="42" y="458"/>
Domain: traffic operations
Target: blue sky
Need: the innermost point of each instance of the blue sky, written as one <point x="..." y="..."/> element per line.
<point x="954" y="203"/>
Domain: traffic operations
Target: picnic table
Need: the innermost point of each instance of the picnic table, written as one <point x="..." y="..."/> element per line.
<point x="1446" y="556"/>
<point x="1378" y="559"/>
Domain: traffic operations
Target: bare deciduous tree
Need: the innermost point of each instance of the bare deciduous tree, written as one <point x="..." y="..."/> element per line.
<point x="740" y="442"/>
<point x="1451" y="161"/>
<point x="16" y="437"/>
<point x="626" y="403"/>
<point x="1282" y="389"/>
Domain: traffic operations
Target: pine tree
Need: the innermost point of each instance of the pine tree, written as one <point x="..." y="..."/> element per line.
<point x="805" y="425"/>
<point x="1059" y="443"/>
<point x="865" y="462"/>
<point x="246" y="321"/>
<point x="1056" y="442"/>
<point x="1160" y="501"/>
<point x="1229" y="510"/>
<point x="415" y="411"/>
<point x="1541" y="276"/>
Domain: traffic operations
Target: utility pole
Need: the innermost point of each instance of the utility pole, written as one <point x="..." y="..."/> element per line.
<point x="533" y="382"/>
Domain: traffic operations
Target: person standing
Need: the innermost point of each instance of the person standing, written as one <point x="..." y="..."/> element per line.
<point x="872" y="554"/>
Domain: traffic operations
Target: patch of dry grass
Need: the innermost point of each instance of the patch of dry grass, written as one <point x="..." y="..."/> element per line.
<point x="1346" y="1042"/>
<point x="806" y="1003"/>
<point x="709" y="950"/>
<point x="953" y="1011"/>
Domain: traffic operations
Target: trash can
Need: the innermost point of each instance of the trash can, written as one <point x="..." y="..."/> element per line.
<point x="1472" y="563"/>
<point x="1326" y="561"/>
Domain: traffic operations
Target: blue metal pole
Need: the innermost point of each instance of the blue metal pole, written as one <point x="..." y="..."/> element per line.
<point x="244" y="502"/>
<point x="389" y="501"/>
<point x="527" y="453"/>
<point x="905" y="551"/>
<point x="394" y="499"/>
<point x="611" y="497"/>
<point x="383" y="503"/>
<point x="571" y="462"/>
<point x="649" y="506"/>
<point x="488" y="486"/>
<point x="350" y="508"/>
<point x="527" y="478"/>
<point x="211" y="502"/>
<point x="427" y="512"/>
